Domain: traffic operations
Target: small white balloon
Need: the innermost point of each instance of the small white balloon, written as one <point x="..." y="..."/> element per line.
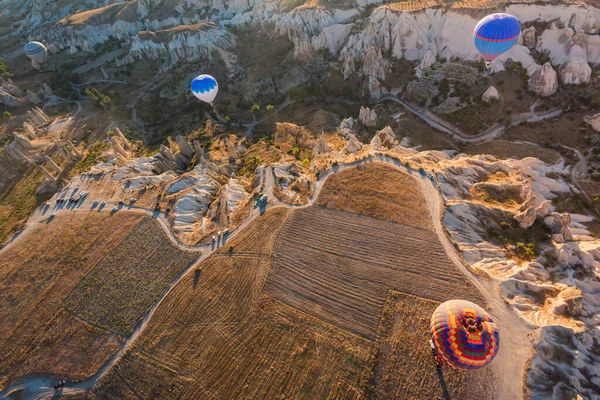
<point x="205" y="88"/>
<point x="36" y="51"/>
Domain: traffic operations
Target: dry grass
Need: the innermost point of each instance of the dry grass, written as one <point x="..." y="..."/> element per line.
<point x="378" y="191"/>
<point x="36" y="273"/>
<point x="120" y="289"/>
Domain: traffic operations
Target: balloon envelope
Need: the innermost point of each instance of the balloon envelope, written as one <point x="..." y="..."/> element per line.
<point x="496" y="34"/>
<point x="205" y="88"/>
<point x="36" y="51"/>
<point x="464" y="335"/>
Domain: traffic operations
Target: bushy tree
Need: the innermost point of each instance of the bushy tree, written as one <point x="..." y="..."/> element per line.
<point x="4" y="72"/>
<point x="255" y="109"/>
<point x="6" y="115"/>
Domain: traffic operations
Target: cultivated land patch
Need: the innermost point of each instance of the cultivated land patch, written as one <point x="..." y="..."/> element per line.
<point x="37" y="272"/>
<point x="378" y="191"/>
<point x="121" y="288"/>
<point x="301" y="304"/>
<point x="340" y="266"/>
<point x="405" y="368"/>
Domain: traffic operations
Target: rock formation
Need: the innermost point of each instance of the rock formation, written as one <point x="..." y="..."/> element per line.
<point x="9" y="100"/>
<point x="117" y="148"/>
<point x="374" y="66"/>
<point x="186" y="42"/>
<point x="387" y="137"/>
<point x="593" y="121"/>
<point x="428" y="59"/>
<point x="491" y="94"/>
<point x="32" y="97"/>
<point x="543" y="81"/>
<point x="124" y="142"/>
<point x="575" y="71"/>
<point x="559" y="227"/>
<point x="184" y="147"/>
<point x="528" y="37"/>
<point x="23" y="142"/>
<point x="375" y="88"/>
<point x="166" y="153"/>
<point x="375" y="142"/>
<point x="354" y="145"/>
<point x="322" y="146"/>
<point x="47" y="90"/>
<point x="29" y="130"/>
<point x="526" y="218"/>
<point x="348" y="68"/>
<point x="347" y="127"/>
<point x="11" y="89"/>
<point x="51" y="163"/>
<point x="367" y="117"/>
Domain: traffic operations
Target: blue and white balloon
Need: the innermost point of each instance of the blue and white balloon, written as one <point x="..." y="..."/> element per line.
<point x="36" y="51"/>
<point x="496" y="34"/>
<point x="205" y="88"/>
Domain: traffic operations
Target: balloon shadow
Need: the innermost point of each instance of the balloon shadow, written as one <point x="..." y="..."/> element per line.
<point x="440" y="375"/>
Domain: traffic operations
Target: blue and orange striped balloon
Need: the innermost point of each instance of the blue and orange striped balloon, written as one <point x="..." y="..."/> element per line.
<point x="464" y="335"/>
<point x="496" y="34"/>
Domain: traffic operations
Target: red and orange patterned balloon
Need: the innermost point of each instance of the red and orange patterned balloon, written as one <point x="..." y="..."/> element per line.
<point x="464" y="335"/>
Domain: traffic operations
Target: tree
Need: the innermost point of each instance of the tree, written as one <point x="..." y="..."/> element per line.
<point x="4" y="72"/>
<point x="255" y="109"/>
<point x="270" y="108"/>
<point x="6" y="115"/>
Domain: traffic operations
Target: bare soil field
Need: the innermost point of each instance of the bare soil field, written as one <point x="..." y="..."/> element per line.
<point x="120" y="289"/>
<point x="378" y="191"/>
<point x="339" y="267"/>
<point x="506" y="149"/>
<point x="37" y="272"/>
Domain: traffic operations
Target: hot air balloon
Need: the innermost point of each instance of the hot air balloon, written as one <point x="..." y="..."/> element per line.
<point x="36" y="51"/>
<point x="205" y="88"/>
<point x="464" y="335"/>
<point x="496" y="34"/>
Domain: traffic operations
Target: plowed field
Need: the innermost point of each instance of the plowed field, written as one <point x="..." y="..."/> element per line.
<point x="120" y="290"/>
<point x="340" y="266"/>
<point x="36" y="273"/>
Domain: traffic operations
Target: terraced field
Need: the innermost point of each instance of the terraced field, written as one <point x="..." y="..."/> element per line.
<point x="120" y="289"/>
<point x="340" y="266"/>
<point x="36" y="273"/>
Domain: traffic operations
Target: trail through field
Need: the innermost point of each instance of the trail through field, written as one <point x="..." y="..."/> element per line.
<point x="509" y="362"/>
